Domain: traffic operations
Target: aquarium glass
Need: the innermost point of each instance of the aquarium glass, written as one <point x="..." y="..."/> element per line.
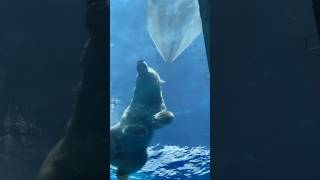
<point x="180" y="150"/>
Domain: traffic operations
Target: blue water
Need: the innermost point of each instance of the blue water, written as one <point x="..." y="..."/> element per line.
<point x="180" y="150"/>
<point x="174" y="162"/>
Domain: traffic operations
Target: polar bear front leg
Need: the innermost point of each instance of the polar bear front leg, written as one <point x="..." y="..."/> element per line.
<point x="135" y="130"/>
<point x="162" y="118"/>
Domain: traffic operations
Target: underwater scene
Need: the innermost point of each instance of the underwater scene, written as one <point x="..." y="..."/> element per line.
<point x="159" y="91"/>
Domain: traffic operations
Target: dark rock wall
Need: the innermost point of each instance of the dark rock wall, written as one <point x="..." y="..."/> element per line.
<point x="40" y="47"/>
<point x="205" y="12"/>
<point x="267" y="83"/>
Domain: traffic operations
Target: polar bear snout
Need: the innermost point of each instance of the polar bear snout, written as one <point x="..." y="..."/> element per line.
<point x="142" y="67"/>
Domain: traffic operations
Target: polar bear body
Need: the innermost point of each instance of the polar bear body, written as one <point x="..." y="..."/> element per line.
<point x="147" y="112"/>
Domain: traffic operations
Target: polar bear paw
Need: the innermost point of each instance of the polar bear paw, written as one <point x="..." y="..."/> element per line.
<point x="162" y="118"/>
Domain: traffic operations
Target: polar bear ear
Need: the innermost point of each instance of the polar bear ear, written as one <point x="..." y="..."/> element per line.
<point x="162" y="81"/>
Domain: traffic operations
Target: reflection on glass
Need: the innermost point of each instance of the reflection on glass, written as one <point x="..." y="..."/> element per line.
<point x="178" y="147"/>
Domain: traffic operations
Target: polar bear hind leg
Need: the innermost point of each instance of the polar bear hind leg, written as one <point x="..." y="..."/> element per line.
<point x="132" y="163"/>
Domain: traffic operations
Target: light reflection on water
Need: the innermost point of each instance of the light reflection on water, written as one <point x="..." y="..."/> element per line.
<point x="173" y="162"/>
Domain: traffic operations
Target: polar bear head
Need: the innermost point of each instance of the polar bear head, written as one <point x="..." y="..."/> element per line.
<point x="148" y="84"/>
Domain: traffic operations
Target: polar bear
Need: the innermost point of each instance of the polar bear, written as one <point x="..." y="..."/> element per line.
<point x="146" y="113"/>
<point x="81" y="154"/>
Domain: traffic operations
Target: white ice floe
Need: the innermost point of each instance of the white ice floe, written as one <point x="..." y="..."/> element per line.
<point x="173" y="25"/>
